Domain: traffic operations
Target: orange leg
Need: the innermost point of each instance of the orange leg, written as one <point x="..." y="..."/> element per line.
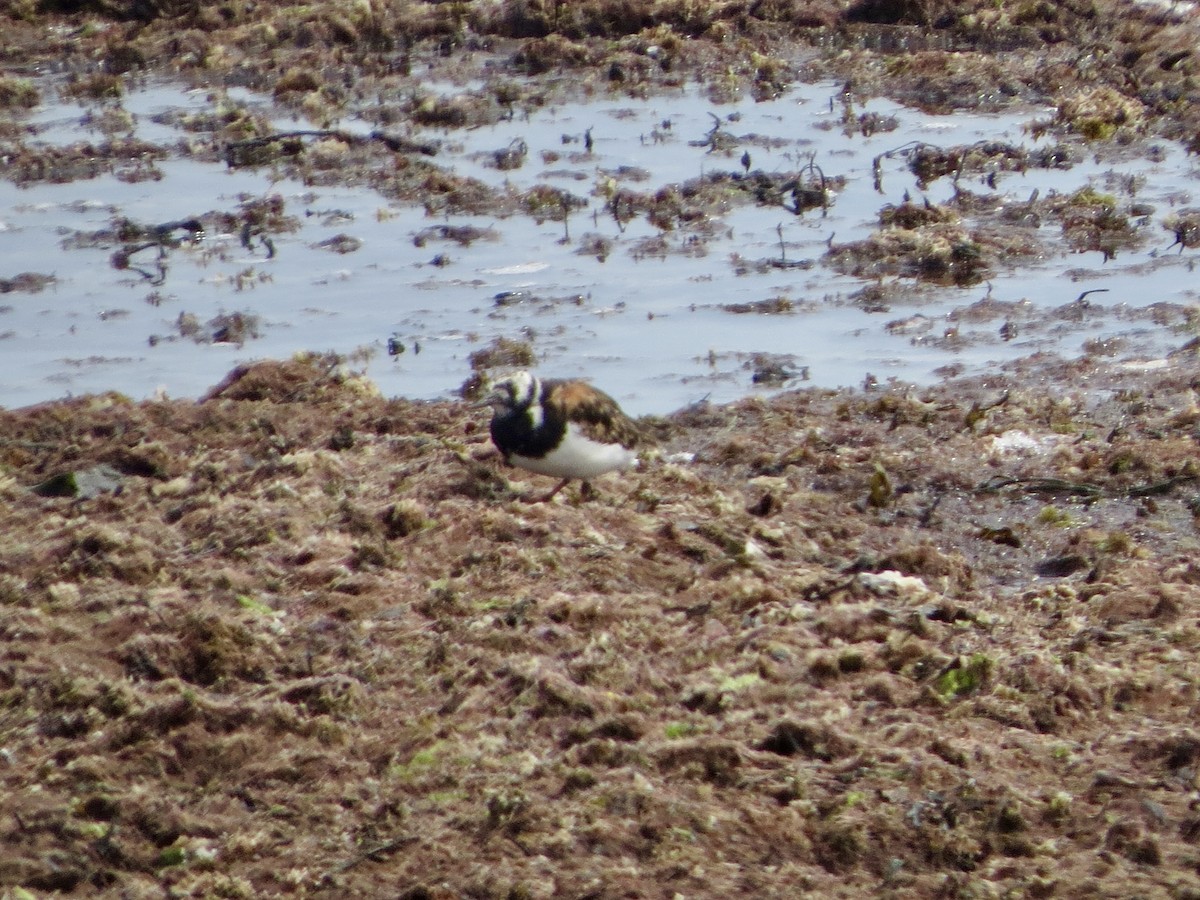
<point x="550" y="496"/>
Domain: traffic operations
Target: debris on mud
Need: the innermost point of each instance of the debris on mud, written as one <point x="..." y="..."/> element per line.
<point x="225" y="328"/>
<point x="940" y="253"/>
<point x="27" y="282"/>
<point x="297" y="638"/>
<point x="905" y="637"/>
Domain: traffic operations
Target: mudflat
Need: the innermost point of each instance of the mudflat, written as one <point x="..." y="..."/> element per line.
<point x="295" y="637"/>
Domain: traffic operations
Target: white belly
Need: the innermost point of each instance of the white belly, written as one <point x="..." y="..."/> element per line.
<point x="578" y="457"/>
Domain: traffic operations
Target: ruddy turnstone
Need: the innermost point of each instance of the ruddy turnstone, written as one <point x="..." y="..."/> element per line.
<point x="567" y="429"/>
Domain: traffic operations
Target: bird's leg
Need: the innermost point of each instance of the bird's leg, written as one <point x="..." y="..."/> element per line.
<point x="550" y="496"/>
<point x="586" y="491"/>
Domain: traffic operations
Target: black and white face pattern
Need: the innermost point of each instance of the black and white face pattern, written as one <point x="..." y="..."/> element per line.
<point x="517" y="394"/>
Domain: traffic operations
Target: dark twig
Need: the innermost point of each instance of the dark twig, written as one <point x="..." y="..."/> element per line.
<point x="1081" y="488"/>
<point x="372" y="853"/>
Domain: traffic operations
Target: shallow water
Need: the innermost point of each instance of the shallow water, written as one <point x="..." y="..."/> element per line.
<point x="648" y="328"/>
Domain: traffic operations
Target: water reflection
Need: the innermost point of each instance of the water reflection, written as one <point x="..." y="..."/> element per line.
<point x="659" y="316"/>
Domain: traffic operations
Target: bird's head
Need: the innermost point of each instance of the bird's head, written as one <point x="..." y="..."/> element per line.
<point x="513" y="392"/>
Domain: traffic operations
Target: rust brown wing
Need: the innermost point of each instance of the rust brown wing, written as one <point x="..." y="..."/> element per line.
<point x="595" y="413"/>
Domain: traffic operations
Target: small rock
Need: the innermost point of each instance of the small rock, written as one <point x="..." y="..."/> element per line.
<point x="84" y="484"/>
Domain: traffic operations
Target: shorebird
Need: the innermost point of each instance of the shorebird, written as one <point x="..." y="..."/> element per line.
<point x="567" y="429"/>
